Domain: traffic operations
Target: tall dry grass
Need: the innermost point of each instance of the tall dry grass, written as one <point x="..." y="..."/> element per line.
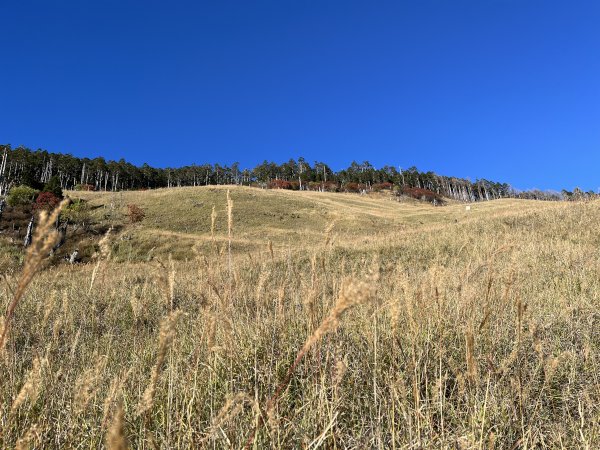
<point x="475" y="335"/>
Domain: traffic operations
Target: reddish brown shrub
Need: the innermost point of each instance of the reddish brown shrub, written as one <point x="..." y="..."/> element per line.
<point x="46" y="200"/>
<point x="331" y="186"/>
<point x="354" y="187"/>
<point x="328" y="186"/>
<point x="382" y="186"/>
<point x="135" y="213"/>
<point x="422" y="194"/>
<point x="279" y="184"/>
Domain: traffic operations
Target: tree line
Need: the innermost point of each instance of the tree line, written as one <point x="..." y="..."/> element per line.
<point x="34" y="168"/>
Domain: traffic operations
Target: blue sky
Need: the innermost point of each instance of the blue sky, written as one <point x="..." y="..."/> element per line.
<point x="507" y="90"/>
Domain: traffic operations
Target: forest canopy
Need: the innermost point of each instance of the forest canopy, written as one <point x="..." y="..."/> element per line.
<point x="35" y="168"/>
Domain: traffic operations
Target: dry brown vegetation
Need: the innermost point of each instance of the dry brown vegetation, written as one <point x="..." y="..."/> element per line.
<point x="363" y="323"/>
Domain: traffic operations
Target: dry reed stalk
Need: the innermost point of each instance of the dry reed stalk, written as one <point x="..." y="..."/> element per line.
<point x="135" y="300"/>
<point x="31" y="387"/>
<point x="171" y="282"/>
<point x="550" y="365"/>
<point x="74" y="344"/>
<point x="86" y="384"/>
<point x="472" y="371"/>
<point x="311" y="298"/>
<point x="166" y="336"/>
<point x="211" y="332"/>
<point x="280" y="298"/>
<point x="339" y="370"/>
<point x="43" y="241"/>
<point x="395" y="309"/>
<point x="328" y="233"/>
<point x="30" y="439"/>
<point x="232" y="407"/>
<point x="104" y="255"/>
<point x="229" y="230"/>
<point x="262" y="279"/>
<point x="167" y="281"/>
<point x="2" y="325"/>
<point x="63" y="319"/>
<point x="115" y="392"/>
<point x="49" y="302"/>
<point x="115" y="438"/>
<point x="351" y="293"/>
<point x="213" y="219"/>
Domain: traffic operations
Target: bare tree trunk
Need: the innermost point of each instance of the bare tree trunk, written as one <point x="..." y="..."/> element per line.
<point x="27" y="241"/>
<point x="3" y="182"/>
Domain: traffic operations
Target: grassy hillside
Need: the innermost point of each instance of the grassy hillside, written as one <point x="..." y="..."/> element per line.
<point x="400" y="326"/>
<point x="177" y="219"/>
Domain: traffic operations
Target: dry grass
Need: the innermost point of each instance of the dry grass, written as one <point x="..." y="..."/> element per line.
<point x="177" y="219"/>
<point x="466" y="331"/>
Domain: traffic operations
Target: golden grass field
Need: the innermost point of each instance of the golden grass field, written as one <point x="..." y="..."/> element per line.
<point x="309" y="320"/>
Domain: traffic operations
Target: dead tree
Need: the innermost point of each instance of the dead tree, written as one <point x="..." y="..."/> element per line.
<point x="3" y="181"/>
<point x="27" y="241"/>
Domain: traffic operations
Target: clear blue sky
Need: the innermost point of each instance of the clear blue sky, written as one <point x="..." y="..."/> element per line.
<point x="500" y="89"/>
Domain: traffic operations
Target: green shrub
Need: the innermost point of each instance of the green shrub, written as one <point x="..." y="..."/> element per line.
<point x="21" y="195"/>
<point x="53" y="186"/>
<point x="84" y="187"/>
<point x="77" y="211"/>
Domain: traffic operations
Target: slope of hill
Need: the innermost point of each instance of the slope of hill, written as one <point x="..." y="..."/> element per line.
<point x="179" y="218"/>
<point x="404" y="326"/>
